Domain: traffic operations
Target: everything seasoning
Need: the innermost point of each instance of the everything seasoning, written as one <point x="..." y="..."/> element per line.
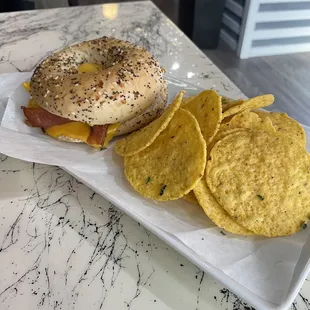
<point x="162" y="190"/>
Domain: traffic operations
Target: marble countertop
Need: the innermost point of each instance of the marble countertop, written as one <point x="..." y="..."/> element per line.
<point x="61" y="245"/>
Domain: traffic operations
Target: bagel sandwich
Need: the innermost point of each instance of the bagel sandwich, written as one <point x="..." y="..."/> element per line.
<point x="92" y="91"/>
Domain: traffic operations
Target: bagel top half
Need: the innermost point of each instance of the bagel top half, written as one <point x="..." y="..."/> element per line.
<point x="127" y="84"/>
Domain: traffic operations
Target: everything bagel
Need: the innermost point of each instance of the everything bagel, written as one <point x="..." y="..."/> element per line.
<point x="82" y="91"/>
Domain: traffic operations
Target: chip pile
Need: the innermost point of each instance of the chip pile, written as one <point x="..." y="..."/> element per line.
<point x="247" y="168"/>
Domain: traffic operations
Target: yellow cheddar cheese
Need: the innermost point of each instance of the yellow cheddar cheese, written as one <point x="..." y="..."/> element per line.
<point x="111" y="131"/>
<point x="74" y="130"/>
<point x="26" y="85"/>
<point x="32" y="104"/>
<point x="88" y="67"/>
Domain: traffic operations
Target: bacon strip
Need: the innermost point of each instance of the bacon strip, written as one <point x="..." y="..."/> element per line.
<point x="39" y="117"/>
<point x="97" y="135"/>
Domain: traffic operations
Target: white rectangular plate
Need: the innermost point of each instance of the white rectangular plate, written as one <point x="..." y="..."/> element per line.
<point x="112" y="185"/>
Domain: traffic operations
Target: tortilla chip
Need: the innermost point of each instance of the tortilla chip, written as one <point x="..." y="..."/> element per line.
<point x="171" y="166"/>
<point x="285" y="125"/>
<point x="141" y="139"/>
<point x="207" y="109"/>
<point x="215" y="211"/>
<point x="229" y="103"/>
<point x="262" y="181"/>
<point x="252" y="103"/>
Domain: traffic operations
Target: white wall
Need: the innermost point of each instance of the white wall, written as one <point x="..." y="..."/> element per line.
<point x="267" y="27"/>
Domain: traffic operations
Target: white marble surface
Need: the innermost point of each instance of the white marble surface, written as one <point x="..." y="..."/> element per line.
<point x="61" y="245"/>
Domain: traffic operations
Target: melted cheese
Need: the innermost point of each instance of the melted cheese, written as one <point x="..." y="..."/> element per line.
<point x="75" y="130"/>
<point x="32" y="104"/>
<point x="88" y="67"/>
<point x="26" y="85"/>
<point x="111" y="131"/>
